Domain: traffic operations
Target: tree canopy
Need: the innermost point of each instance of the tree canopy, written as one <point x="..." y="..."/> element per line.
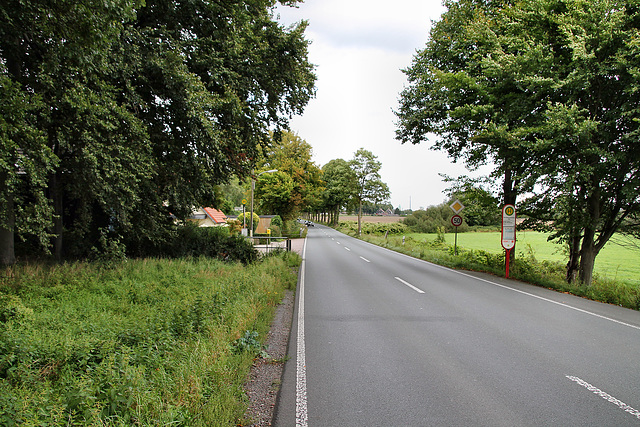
<point x="119" y="116"/>
<point x="340" y="187"/>
<point x="290" y="155"/>
<point x="547" y="91"/>
<point x="368" y="182"/>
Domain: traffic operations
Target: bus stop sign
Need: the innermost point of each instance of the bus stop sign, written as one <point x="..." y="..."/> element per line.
<point x="508" y="227"/>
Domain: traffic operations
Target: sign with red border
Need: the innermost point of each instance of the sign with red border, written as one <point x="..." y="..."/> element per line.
<point x="456" y="220"/>
<point x="508" y="227"/>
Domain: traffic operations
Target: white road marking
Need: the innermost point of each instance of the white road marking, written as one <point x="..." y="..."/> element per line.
<point x="420" y="291"/>
<point x="547" y="299"/>
<point x="301" y="366"/>
<point x="347" y="249"/>
<point x="606" y="396"/>
<point x="364" y="259"/>
<point x="338" y="242"/>
<point x="513" y="289"/>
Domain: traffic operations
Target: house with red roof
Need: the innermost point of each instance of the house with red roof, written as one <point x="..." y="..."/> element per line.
<point x="208" y="217"/>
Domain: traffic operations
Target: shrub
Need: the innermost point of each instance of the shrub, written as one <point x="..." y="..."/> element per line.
<point x="256" y="219"/>
<point x="214" y="242"/>
<point x="234" y="226"/>
<point x="351" y="228"/>
<point x="432" y="219"/>
<point x="276" y="221"/>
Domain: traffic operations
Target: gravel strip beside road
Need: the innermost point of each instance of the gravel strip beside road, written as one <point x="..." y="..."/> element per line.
<point x="265" y="378"/>
<point x="266" y="374"/>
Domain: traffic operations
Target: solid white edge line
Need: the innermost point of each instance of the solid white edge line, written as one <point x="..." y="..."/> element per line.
<point x="420" y="291"/>
<point x="551" y="301"/>
<point x="511" y="289"/>
<point x="301" y="365"/>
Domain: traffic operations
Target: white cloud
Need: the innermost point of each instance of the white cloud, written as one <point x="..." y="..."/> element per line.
<point x="360" y="47"/>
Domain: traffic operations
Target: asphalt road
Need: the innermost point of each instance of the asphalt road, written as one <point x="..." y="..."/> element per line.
<point x="382" y="339"/>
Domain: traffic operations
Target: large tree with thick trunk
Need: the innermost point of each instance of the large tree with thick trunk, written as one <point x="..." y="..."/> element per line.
<point x="547" y="92"/>
<point x="137" y="110"/>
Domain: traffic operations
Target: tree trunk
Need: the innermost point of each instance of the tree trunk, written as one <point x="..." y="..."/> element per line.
<point x="7" y="239"/>
<point x="360" y="217"/>
<point x="589" y="251"/>
<point x="574" y="258"/>
<point x="587" y="261"/>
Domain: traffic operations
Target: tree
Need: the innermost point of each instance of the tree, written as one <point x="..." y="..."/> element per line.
<point x="340" y="187"/>
<point x="290" y="154"/>
<point x="274" y="191"/>
<point x="369" y="185"/>
<point x="481" y="208"/>
<point x="434" y="219"/>
<point x="481" y="109"/>
<point x="137" y="108"/>
<point x="24" y="167"/>
<point x="547" y="89"/>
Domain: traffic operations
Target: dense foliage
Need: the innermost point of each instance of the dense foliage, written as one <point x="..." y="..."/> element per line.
<point x="433" y="220"/>
<point x="546" y="91"/>
<point x="151" y="342"/>
<point x="119" y="116"/>
<point x="351" y="227"/>
<point x="368" y="183"/>
<point x="297" y="185"/>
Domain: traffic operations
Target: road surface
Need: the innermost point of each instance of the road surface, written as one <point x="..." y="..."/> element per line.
<point x="382" y="339"/>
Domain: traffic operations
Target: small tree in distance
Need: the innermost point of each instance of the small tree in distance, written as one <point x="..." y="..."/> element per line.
<point x="369" y="185"/>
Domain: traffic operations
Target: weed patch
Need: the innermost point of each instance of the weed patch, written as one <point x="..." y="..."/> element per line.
<point x="148" y="342"/>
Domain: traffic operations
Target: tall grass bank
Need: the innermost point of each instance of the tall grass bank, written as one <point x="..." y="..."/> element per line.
<point x="526" y="267"/>
<point x="149" y="342"/>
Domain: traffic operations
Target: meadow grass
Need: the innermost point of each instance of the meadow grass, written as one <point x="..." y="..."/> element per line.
<point x="618" y="260"/>
<point x="147" y="342"/>
<point x="616" y="280"/>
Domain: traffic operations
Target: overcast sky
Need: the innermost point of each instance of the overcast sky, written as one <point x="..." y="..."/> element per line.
<point x="359" y="48"/>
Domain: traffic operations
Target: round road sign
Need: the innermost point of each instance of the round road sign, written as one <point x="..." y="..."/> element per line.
<point x="456" y="220"/>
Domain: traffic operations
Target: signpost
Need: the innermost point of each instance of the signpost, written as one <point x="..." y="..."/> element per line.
<point x="456" y="220"/>
<point x="244" y="218"/>
<point x="508" y="232"/>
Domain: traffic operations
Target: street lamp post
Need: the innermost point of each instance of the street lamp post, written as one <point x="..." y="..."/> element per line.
<point x="253" y="186"/>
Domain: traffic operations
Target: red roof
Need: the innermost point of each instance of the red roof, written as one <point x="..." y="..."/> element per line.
<point x="216" y="216"/>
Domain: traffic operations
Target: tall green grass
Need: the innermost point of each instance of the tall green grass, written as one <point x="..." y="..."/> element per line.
<point x="529" y="266"/>
<point x="149" y="342"/>
<point x="618" y="260"/>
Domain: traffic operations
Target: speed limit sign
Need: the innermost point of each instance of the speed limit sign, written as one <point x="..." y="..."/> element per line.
<point x="456" y="220"/>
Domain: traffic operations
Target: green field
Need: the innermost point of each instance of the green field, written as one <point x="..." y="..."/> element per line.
<point x="618" y="260"/>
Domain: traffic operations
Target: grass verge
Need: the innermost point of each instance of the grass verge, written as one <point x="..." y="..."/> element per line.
<point x="527" y="267"/>
<point x="148" y="342"/>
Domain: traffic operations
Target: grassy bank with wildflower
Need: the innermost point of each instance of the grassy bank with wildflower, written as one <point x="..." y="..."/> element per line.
<point x="143" y="342"/>
<point x="528" y="267"/>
